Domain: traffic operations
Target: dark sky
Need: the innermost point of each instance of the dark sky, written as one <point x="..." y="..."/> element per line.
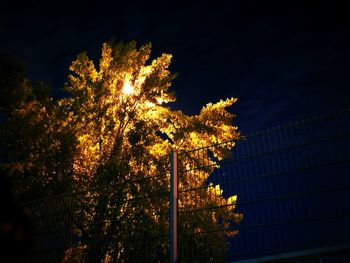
<point x="284" y="60"/>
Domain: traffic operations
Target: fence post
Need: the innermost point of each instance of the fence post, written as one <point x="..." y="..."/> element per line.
<point x="173" y="207"/>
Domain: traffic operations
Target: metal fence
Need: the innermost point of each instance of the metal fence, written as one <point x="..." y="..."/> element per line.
<point x="293" y="187"/>
<point x="103" y="225"/>
<point x="292" y="184"/>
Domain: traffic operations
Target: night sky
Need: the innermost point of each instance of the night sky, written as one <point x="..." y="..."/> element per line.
<point x="284" y="60"/>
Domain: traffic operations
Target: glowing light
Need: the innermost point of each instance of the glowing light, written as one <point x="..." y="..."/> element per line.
<point x="149" y="104"/>
<point x="160" y="101"/>
<point x="128" y="89"/>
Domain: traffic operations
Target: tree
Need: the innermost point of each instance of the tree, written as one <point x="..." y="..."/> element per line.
<point x="110" y="141"/>
<point x="35" y="144"/>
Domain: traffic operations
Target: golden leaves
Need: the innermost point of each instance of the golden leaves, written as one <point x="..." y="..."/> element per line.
<point x="106" y="57"/>
<point x="122" y="130"/>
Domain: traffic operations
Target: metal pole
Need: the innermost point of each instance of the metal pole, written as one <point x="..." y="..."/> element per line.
<point x="173" y="207"/>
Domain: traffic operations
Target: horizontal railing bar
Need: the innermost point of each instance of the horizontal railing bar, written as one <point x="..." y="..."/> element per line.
<point x="275" y="150"/>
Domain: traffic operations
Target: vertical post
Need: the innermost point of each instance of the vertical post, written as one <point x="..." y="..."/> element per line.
<point x="173" y="207"/>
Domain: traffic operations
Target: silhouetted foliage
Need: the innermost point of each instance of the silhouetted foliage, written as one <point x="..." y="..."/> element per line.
<point x="16" y="229"/>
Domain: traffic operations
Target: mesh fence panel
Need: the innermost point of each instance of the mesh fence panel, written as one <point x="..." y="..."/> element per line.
<point x="102" y="226"/>
<point x="292" y="184"/>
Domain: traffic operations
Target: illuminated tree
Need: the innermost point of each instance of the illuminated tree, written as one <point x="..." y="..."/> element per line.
<point x="110" y="141"/>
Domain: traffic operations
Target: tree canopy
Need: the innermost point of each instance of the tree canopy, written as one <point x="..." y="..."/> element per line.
<point x="109" y="142"/>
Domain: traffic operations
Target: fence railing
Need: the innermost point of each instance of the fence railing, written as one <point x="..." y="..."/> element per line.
<point x="110" y="224"/>
<point x="291" y="183"/>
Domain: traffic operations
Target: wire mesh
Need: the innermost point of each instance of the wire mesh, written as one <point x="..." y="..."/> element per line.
<point x="292" y="185"/>
<point x="103" y="225"/>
